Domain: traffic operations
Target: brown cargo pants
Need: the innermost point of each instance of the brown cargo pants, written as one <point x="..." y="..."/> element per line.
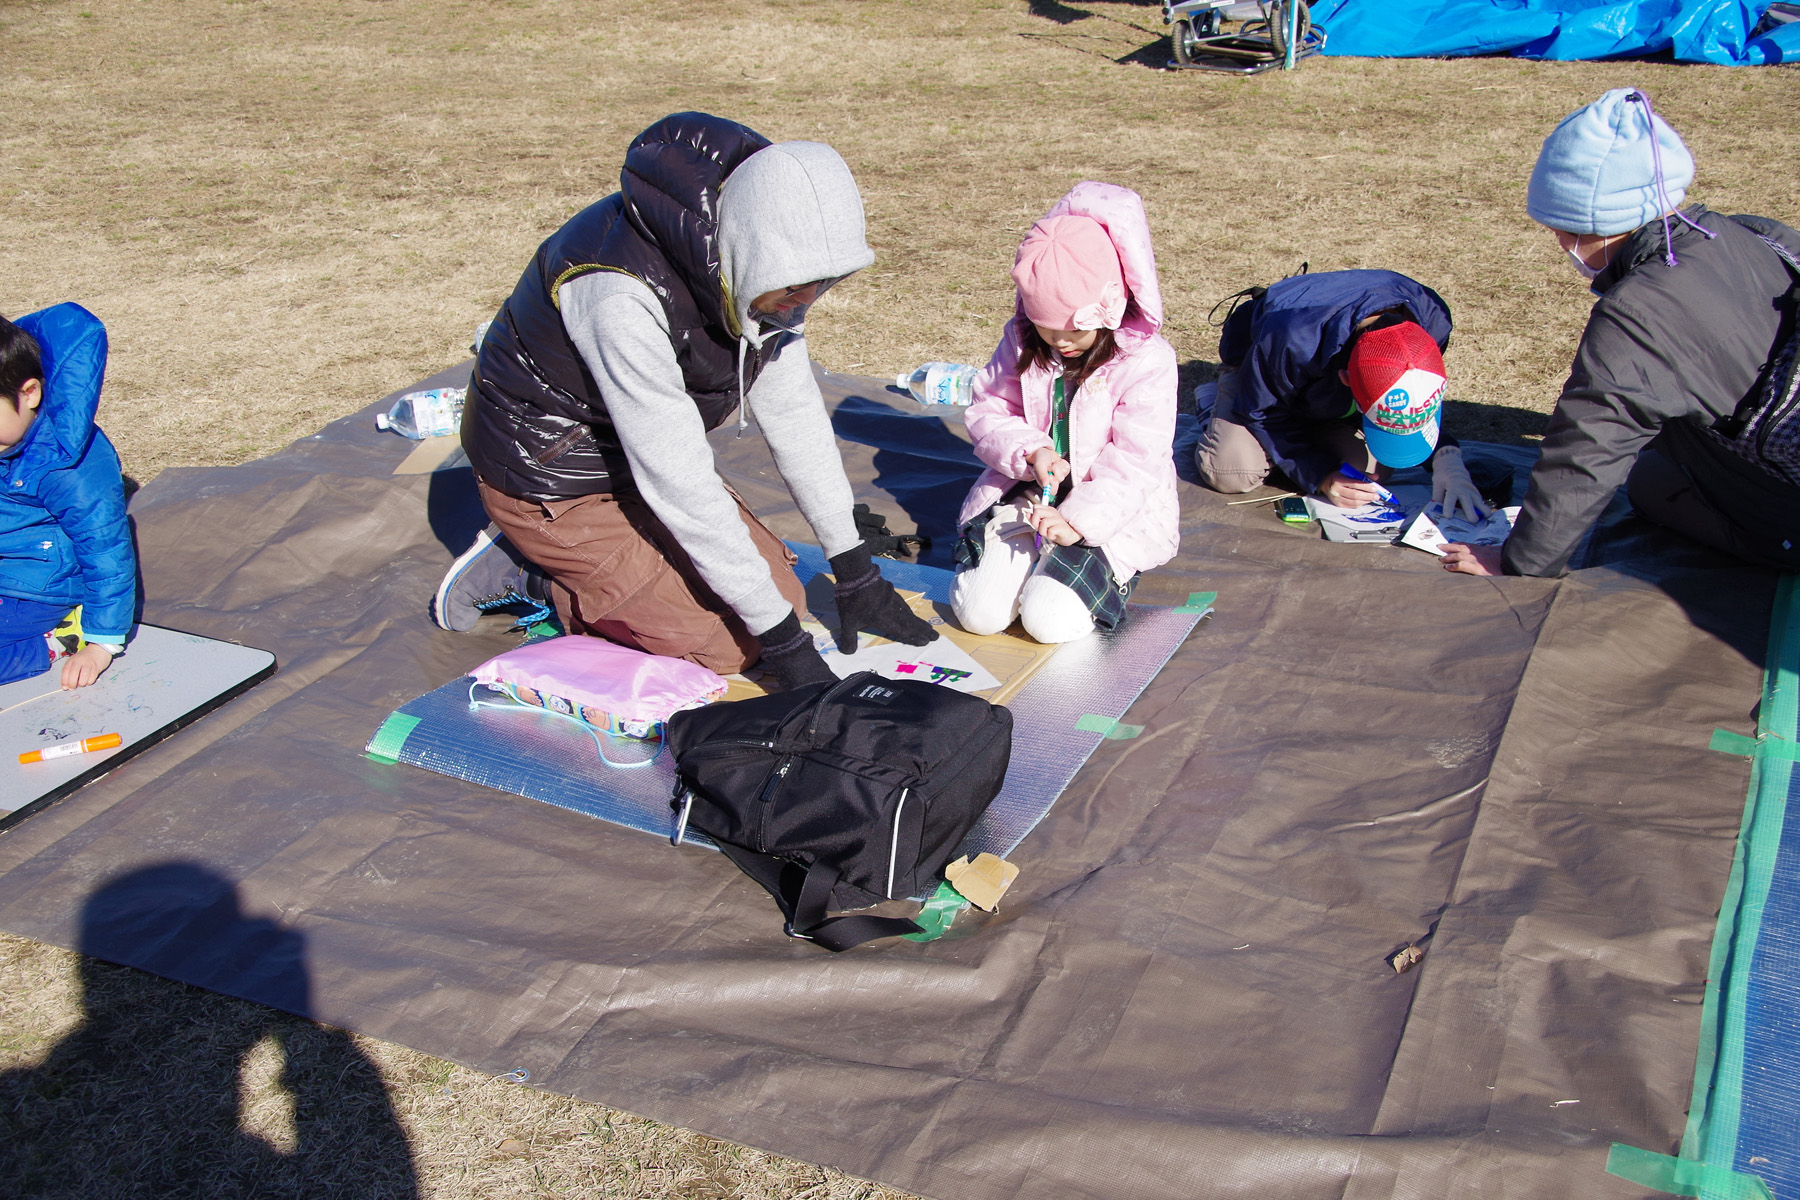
<point x="617" y="571"/>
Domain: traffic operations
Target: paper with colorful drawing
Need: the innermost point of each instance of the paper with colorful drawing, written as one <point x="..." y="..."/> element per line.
<point x="942" y="661"/>
<point x="1431" y="529"/>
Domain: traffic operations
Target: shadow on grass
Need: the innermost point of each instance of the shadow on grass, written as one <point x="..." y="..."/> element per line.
<point x="1497" y="423"/>
<point x="147" y="1097"/>
<point x="1154" y="54"/>
<point x="1062" y="14"/>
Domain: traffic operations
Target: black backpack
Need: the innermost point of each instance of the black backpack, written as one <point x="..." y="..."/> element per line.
<point x="1766" y="426"/>
<point x="841" y="795"/>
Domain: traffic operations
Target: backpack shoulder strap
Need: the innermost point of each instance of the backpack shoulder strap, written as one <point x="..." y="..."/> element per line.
<point x="803" y="894"/>
<point x="1782" y="252"/>
<point x="1782" y="361"/>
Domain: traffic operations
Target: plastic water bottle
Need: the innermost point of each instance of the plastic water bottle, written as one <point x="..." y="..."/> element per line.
<point x="419" y="415"/>
<point x="940" y="383"/>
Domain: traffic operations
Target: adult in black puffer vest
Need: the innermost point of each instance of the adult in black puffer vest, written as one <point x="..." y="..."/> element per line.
<point x="1668" y="392"/>
<point x="640" y="325"/>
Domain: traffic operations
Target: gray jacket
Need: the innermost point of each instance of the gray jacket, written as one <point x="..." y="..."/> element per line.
<point x="790" y="215"/>
<point x="1682" y="343"/>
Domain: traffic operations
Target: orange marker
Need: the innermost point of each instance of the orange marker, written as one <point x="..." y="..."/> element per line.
<point x="105" y="741"/>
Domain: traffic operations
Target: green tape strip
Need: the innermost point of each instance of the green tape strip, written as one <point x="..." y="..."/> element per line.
<point x="1680" y="1177"/>
<point x="385" y="745"/>
<point x="1768" y="745"/>
<point x="1198" y="602"/>
<point x="1716" y="1107"/>
<point x="1107" y="727"/>
<point x="1727" y="742"/>
<point x="935" y="918"/>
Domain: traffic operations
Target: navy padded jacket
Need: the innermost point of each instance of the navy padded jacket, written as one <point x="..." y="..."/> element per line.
<point x="1287" y="347"/>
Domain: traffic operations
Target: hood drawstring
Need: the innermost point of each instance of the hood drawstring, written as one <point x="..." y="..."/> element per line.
<point x="743" y="392"/>
<point x="791" y="328"/>
<point x="1662" y="193"/>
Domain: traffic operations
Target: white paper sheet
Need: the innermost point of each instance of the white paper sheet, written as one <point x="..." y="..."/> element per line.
<point x="1431" y="529"/>
<point x="941" y="662"/>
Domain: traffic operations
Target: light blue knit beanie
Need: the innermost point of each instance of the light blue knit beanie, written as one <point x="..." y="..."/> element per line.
<point x="1603" y="172"/>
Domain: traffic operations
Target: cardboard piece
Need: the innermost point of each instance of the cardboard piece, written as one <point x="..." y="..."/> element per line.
<point x="982" y="881"/>
<point x="434" y="454"/>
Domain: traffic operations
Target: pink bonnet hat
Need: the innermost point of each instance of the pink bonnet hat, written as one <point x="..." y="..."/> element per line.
<point x="1069" y="276"/>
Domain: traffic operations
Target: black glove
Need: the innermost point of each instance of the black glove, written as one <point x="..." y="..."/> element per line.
<point x="867" y="601"/>
<point x="788" y="652"/>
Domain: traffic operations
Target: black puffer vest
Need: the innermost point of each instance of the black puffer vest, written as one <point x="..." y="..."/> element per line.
<point x="535" y="424"/>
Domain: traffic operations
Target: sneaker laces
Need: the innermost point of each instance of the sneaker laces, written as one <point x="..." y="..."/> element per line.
<point x="501" y="599"/>
<point x="536" y="609"/>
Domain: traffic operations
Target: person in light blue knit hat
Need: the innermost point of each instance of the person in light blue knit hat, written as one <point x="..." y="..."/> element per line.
<point x="1608" y="169"/>
<point x="1686" y="385"/>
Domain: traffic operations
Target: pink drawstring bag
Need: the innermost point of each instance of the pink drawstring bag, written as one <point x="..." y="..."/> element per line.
<point x="601" y="684"/>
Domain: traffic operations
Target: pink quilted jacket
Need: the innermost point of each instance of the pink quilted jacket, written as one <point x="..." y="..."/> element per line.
<point x="1122" y="421"/>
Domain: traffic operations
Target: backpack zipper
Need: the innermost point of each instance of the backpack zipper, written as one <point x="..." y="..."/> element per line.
<point x="766" y="803"/>
<point x="812" y="726"/>
<point x="894" y="844"/>
<point x="766" y="798"/>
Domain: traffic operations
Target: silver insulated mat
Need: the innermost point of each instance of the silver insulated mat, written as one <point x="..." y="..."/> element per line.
<point x="1065" y="710"/>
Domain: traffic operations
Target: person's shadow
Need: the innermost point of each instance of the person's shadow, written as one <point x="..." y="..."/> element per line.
<point x="147" y="1097"/>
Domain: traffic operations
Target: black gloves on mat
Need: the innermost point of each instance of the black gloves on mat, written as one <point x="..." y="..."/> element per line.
<point x="788" y="652"/>
<point x="864" y="601"/>
<point x="867" y="601"/>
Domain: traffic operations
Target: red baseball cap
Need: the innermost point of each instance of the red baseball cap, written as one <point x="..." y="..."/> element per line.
<point x="1397" y="376"/>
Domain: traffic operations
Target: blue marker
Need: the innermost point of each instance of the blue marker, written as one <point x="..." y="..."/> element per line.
<point x="1350" y="472"/>
<point x="1393" y="510"/>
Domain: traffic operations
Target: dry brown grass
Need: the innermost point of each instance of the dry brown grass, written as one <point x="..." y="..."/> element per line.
<point x="116" y="1075"/>
<point x="283" y="209"/>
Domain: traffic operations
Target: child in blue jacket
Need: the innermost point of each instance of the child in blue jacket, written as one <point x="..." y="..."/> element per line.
<point x="64" y="540"/>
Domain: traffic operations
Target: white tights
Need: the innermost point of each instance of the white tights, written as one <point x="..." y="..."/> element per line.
<point x="1007" y="586"/>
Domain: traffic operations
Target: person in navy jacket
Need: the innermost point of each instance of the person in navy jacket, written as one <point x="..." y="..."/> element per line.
<point x="64" y="539"/>
<point x="1308" y="368"/>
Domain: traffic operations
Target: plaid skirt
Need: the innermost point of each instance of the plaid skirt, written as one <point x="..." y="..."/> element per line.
<point x="1081" y="568"/>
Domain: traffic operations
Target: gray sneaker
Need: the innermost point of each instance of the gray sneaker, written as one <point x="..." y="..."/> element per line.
<point x="490" y="576"/>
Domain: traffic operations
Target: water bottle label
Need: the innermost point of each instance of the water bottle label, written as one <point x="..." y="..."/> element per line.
<point x="438" y="411"/>
<point x="946" y="383"/>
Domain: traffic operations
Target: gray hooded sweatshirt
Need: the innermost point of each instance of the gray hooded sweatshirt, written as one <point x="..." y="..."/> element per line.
<point x="788" y="216"/>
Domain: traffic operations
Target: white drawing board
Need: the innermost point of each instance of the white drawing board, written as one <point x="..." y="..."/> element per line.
<point x="164" y="680"/>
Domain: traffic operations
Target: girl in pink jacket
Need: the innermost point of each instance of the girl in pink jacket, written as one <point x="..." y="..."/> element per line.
<point x="1075" y="418"/>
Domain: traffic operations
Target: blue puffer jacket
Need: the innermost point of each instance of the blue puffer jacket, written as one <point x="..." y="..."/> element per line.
<point x="63" y="534"/>
<point x="1287" y="347"/>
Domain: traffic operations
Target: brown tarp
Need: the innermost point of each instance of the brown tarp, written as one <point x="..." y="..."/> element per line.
<point x="1186" y="993"/>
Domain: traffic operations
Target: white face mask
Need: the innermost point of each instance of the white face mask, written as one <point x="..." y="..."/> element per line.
<point x="1587" y="272"/>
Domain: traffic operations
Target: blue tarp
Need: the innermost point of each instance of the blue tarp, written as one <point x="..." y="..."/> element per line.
<point x="1714" y="31"/>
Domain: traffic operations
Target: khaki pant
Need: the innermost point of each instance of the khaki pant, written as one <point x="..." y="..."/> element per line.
<point x="617" y="571"/>
<point x="1231" y="460"/>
